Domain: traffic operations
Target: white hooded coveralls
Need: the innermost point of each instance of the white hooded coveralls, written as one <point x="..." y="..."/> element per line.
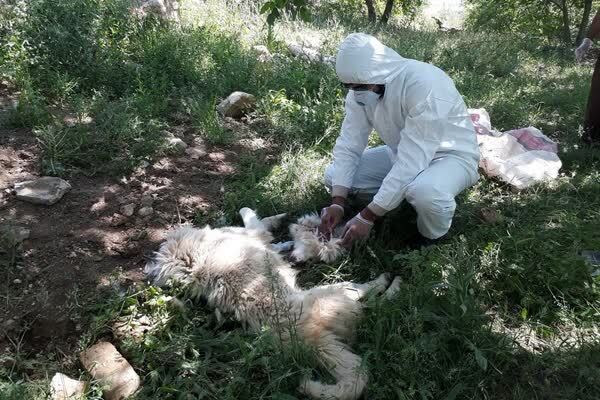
<point x="430" y="153"/>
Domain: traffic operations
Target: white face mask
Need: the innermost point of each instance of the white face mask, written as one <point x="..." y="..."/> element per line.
<point x="366" y="97"/>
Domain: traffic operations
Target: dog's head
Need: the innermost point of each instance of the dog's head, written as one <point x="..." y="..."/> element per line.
<point x="309" y="246"/>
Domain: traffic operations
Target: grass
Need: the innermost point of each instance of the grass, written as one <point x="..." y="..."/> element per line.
<point x="500" y="311"/>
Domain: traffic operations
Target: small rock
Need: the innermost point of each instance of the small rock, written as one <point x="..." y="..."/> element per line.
<point x="17" y="281"/>
<point x="128" y="210"/>
<point x="132" y="328"/>
<point x="21" y="233"/>
<point x="145" y="211"/>
<point x="236" y="104"/>
<point x="263" y="53"/>
<point x="64" y="388"/>
<point x="46" y="190"/>
<point x="126" y="250"/>
<point x="147" y="200"/>
<point x="489" y="216"/>
<point x="195" y="152"/>
<point x="221" y="221"/>
<point x="107" y="365"/>
<point x="304" y="52"/>
<point x="10" y="325"/>
<point x="16" y="233"/>
<point x="117" y="220"/>
<point x="177" y="144"/>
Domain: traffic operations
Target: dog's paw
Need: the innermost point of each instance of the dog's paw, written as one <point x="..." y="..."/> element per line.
<point x="282" y="247"/>
<point x="393" y="288"/>
<point x="382" y="282"/>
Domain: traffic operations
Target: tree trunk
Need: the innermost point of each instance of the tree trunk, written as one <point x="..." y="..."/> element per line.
<point x="587" y="9"/>
<point x="387" y="12"/>
<point x="564" y="9"/>
<point x="566" y="23"/>
<point x="371" y="11"/>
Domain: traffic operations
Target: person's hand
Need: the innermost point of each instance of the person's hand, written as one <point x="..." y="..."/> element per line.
<point x="583" y="48"/>
<point x="358" y="228"/>
<point x="330" y="217"/>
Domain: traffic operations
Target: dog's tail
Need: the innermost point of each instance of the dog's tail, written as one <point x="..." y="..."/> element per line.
<point x="327" y="319"/>
<point x="351" y="379"/>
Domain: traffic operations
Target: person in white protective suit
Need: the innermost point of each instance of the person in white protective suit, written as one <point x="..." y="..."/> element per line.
<point x="430" y="153"/>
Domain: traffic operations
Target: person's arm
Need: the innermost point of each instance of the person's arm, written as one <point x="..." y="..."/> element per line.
<point x="594" y="30"/>
<point x="421" y="139"/>
<point x="348" y="149"/>
<point x="586" y="44"/>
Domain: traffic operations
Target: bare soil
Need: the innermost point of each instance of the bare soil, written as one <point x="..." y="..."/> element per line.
<point x="84" y="243"/>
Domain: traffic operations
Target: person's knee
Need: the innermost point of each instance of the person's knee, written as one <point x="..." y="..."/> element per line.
<point x="427" y="199"/>
<point x="328" y="176"/>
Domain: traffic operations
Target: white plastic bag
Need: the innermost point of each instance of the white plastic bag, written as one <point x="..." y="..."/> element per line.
<point x="521" y="157"/>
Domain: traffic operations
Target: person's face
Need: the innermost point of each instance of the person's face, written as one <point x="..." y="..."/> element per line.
<point x="360" y="87"/>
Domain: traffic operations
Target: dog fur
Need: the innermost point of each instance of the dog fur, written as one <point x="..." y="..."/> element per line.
<point x="309" y="246"/>
<point x="237" y="271"/>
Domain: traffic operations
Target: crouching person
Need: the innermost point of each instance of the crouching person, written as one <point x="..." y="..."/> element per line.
<point x="430" y="153"/>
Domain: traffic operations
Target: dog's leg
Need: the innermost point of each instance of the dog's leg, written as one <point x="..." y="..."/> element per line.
<point x="394" y="288"/>
<point x="357" y="291"/>
<point x="273" y="222"/>
<point x="219" y="316"/>
<point x="251" y="220"/>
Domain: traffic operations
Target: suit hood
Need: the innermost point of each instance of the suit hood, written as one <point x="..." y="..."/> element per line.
<point x="363" y="59"/>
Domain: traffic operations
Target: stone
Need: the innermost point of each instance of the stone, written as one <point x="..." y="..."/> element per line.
<point x="489" y="216"/>
<point x="132" y="328"/>
<point x="263" y="53"/>
<point x="46" y="190"/>
<point x="196" y="152"/>
<point x="145" y="211"/>
<point x="147" y="200"/>
<point x="105" y="364"/>
<point x="177" y="144"/>
<point x="10" y="325"/>
<point x="128" y="210"/>
<point x="17" y="234"/>
<point x="64" y="388"/>
<point x="117" y="220"/>
<point x="237" y="104"/>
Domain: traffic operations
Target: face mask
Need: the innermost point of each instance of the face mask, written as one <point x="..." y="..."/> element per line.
<point x="366" y="97"/>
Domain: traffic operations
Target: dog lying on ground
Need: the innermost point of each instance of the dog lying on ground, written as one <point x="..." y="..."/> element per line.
<point x="238" y="271"/>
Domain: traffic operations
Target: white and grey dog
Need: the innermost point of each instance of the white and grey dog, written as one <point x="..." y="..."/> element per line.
<point x="237" y="270"/>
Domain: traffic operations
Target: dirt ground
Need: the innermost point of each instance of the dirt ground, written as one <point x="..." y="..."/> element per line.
<point x="84" y="242"/>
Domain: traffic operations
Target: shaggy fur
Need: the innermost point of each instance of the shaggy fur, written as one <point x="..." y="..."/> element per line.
<point x="308" y="245"/>
<point x="238" y="271"/>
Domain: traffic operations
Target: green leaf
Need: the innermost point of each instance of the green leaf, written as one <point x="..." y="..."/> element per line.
<point x="454" y="392"/>
<point x="273" y="16"/>
<point x="479" y="357"/>
<point x="283" y="396"/>
<point x="280" y="3"/>
<point x="523" y="313"/>
<point x="304" y="14"/>
<point x="268" y="6"/>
